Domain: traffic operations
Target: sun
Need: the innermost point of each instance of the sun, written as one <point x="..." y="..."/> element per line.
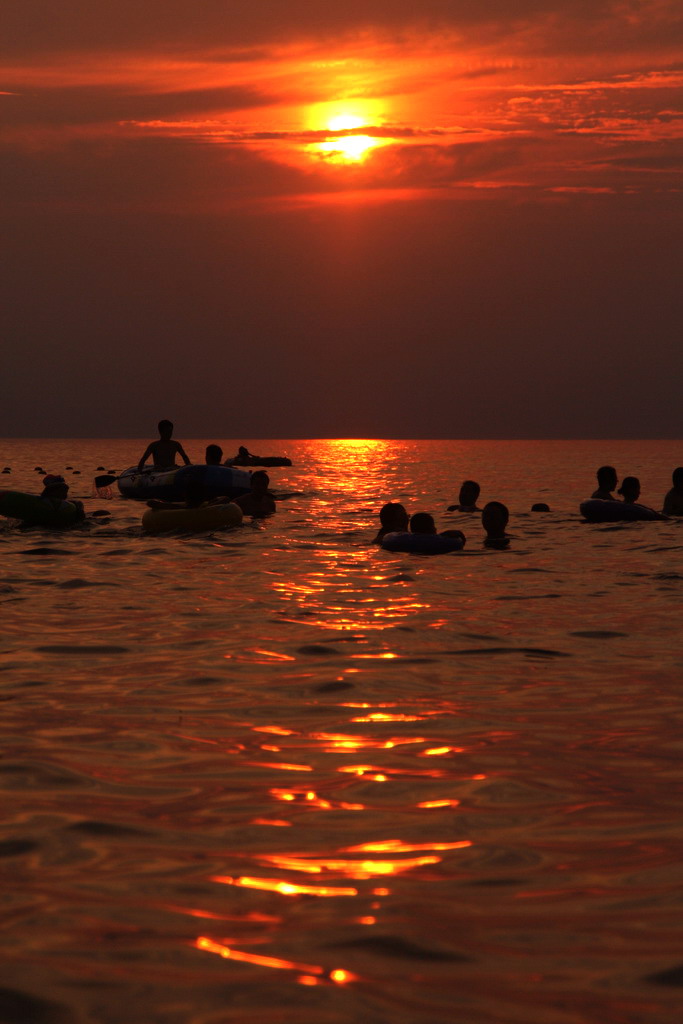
<point x="348" y="143"/>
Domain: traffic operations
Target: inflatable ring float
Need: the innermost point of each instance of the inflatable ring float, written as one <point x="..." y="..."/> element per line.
<point x="191" y="520"/>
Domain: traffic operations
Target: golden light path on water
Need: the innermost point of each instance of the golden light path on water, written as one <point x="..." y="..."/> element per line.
<point x="278" y="771"/>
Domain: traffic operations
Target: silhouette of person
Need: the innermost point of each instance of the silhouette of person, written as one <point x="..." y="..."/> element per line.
<point x="422" y="522"/>
<point x="630" y="489"/>
<point x="673" y="501"/>
<point x="494" y="519"/>
<point x="467" y="498"/>
<point x="164" y="450"/>
<point x="259" y="501"/>
<point x="243" y="457"/>
<point x="607" y="481"/>
<point x="393" y="518"/>
<point x="56" y="493"/>
<point x="540" y="506"/>
<point x="214" y="455"/>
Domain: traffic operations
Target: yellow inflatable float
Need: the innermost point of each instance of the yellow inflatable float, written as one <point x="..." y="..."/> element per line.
<point x="191" y="520"/>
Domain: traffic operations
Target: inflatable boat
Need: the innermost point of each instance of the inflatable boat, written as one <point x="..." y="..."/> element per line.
<point x="191" y="520"/>
<point x="598" y="511"/>
<point x="36" y="511"/>
<point x="422" y="543"/>
<point x="172" y="484"/>
<point x="259" y="460"/>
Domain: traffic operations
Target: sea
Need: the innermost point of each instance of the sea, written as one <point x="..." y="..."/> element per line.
<point x="275" y="774"/>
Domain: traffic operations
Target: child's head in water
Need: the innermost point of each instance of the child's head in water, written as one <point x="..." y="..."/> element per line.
<point x="494" y="519"/>
<point x="630" y="489"/>
<point x="422" y="522"/>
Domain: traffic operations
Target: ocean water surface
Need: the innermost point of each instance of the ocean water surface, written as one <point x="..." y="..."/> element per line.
<point x="276" y="774"/>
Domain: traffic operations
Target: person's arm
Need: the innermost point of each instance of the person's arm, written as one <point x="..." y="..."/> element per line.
<point x="183" y="455"/>
<point x="144" y="458"/>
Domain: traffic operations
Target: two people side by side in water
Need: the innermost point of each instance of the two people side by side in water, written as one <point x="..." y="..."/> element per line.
<point x="164" y="451"/>
<point x="630" y="490"/>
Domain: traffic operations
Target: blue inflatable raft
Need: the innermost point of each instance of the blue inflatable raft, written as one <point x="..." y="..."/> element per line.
<point x="172" y="484"/>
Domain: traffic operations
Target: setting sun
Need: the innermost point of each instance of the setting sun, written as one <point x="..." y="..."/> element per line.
<point x="347" y="143"/>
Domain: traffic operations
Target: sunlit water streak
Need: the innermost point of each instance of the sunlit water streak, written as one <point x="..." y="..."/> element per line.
<point x="278" y="774"/>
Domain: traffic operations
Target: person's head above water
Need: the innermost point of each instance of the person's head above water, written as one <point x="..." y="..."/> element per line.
<point x="259" y="481"/>
<point x="214" y="454"/>
<point x="165" y="428"/>
<point x="677" y="478"/>
<point x="607" y="477"/>
<point x="494" y="518"/>
<point x="55" y="487"/>
<point x="469" y="492"/>
<point x="422" y="522"/>
<point x="630" y="489"/>
<point x="393" y="517"/>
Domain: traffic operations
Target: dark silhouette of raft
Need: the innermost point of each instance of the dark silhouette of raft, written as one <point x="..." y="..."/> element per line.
<point x="597" y="511"/>
<point x="172" y="484"/>
<point x="258" y="460"/>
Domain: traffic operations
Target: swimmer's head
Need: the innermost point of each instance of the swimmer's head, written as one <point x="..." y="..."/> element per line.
<point x="165" y="428"/>
<point x="540" y="506"/>
<point x="494" y="518"/>
<point x="422" y="522"/>
<point x="630" y="488"/>
<point x="607" y="477"/>
<point x="55" y="486"/>
<point x="259" y="481"/>
<point x="469" y="492"/>
<point x="214" y="454"/>
<point x="393" y="517"/>
<point x="677" y="477"/>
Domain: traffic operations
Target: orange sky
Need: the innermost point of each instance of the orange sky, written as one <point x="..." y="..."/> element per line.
<point x="120" y="109"/>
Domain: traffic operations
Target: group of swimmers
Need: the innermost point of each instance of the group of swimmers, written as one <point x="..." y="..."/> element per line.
<point x="630" y="489"/>
<point x="494" y="518"/>
<point x="495" y="515"/>
<point x="259" y="501"/>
